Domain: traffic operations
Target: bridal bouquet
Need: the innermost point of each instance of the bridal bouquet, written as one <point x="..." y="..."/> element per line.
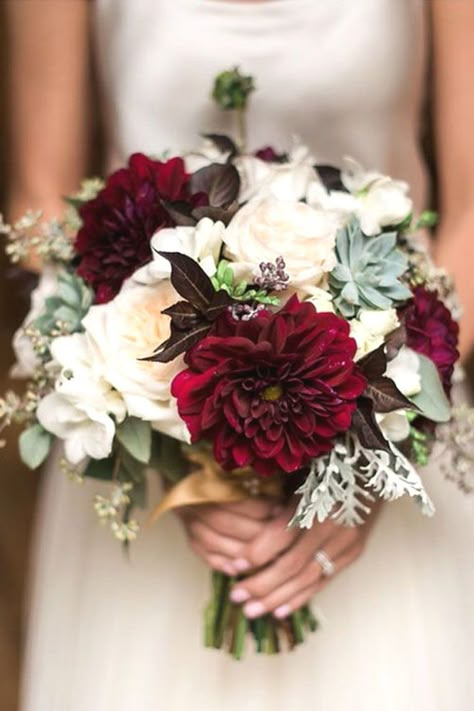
<point x="246" y="324"/>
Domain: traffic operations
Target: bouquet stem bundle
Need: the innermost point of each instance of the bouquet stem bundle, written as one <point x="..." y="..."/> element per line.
<point x="227" y="627"/>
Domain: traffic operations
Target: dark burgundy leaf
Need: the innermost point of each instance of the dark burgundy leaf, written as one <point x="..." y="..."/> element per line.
<point x="385" y="395"/>
<point x="223" y="143"/>
<point x="330" y="177"/>
<point x="190" y="280"/>
<point x="181" y="213"/>
<point x="183" y="315"/>
<point x="365" y="426"/>
<point x="394" y="341"/>
<point x="179" y="342"/>
<point x="374" y="364"/>
<point x="220" y="301"/>
<point x="222" y="214"/>
<point x="221" y="184"/>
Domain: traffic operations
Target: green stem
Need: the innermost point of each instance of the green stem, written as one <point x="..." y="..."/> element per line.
<point x="241" y="129"/>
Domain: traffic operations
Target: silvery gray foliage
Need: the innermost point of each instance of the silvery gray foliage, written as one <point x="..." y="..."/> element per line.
<point x="334" y="488"/>
<point x="339" y="484"/>
<point x="368" y="271"/>
<point x="391" y="475"/>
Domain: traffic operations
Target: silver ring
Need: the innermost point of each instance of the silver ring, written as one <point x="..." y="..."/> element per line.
<point x="326" y="564"/>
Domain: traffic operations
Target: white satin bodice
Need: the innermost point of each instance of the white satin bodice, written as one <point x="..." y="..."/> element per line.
<point x="346" y="76"/>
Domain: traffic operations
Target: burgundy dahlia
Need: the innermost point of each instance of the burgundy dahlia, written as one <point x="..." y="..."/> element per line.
<point x="271" y="392"/>
<point x="114" y="239"/>
<point x="432" y="331"/>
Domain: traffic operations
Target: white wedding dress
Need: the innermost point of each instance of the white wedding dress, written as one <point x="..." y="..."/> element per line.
<point x="107" y="633"/>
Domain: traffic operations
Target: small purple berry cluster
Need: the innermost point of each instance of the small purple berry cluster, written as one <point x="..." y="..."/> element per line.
<point x="272" y="276"/>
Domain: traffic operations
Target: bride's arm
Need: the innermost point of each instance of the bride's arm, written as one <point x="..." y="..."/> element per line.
<point x="48" y="100"/>
<point x="453" y="32"/>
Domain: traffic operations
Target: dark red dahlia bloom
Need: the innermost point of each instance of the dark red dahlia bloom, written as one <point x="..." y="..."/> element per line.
<point x="271" y="392"/>
<point x="118" y="224"/>
<point x="432" y="331"/>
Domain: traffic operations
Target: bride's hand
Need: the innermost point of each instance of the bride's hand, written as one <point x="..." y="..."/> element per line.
<point x="219" y="533"/>
<point x="291" y="575"/>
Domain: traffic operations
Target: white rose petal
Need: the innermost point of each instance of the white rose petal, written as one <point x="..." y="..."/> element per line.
<point x="265" y="229"/>
<point x="371" y="327"/>
<point x="208" y="153"/>
<point x="394" y="425"/>
<point x="404" y="371"/>
<point x="127" y="329"/>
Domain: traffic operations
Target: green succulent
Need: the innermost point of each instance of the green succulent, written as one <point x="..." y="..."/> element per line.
<point x="68" y="306"/>
<point x="367" y="275"/>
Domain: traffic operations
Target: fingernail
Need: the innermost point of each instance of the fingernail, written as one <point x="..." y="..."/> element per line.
<point x="229" y="570"/>
<point x="254" y="609"/>
<point x="239" y="595"/>
<point x="282" y="611"/>
<point x="241" y="564"/>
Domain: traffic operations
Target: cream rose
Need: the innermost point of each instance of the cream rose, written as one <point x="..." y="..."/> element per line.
<point x="266" y="229"/>
<point x="129" y="328"/>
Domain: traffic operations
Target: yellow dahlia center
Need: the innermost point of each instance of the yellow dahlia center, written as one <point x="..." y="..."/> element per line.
<point x="272" y="392"/>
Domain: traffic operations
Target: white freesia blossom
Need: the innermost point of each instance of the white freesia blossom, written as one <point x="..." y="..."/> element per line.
<point x="131" y="327"/>
<point x="404" y="370"/>
<point x="381" y="201"/>
<point x="394" y="425"/>
<point x="82" y="408"/>
<point x="202" y="242"/>
<point x="265" y="229"/>
<point x="371" y="327"/>
<point x="286" y="181"/>
<point x="26" y="358"/>
<point x="321" y="300"/>
<point x="207" y="153"/>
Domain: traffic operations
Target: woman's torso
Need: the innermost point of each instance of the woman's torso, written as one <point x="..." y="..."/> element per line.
<point x="345" y="76"/>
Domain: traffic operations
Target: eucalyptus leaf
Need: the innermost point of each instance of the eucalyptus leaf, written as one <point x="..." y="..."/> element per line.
<point x="34" y="444"/>
<point x="135" y="436"/>
<point x="432" y="401"/>
<point x="168" y="457"/>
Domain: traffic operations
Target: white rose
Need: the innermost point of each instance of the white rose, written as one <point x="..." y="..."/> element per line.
<point x="81" y="409"/>
<point x="381" y="201"/>
<point x="202" y="242"/>
<point x="404" y="370"/>
<point x="26" y="358"/>
<point x="131" y="327"/>
<point x="285" y="181"/>
<point x="266" y="229"/>
<point x="371" y="327"/>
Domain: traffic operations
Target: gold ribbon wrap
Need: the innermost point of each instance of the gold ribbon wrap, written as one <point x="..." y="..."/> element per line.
<point x="208" y="483"/>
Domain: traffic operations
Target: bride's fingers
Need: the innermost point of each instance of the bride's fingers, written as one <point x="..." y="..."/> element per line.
<point x="229" y="523"/>
<point x="212" y="541"/>
<point x="213" y="560"/>
<point x="259" y="509"/>
<point x="293" y="571"/>
<point x="303" y="596"/>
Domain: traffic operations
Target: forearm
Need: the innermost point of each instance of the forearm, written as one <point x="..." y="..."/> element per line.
<point x="48" y="98"/>
<point x="454" y="251"/>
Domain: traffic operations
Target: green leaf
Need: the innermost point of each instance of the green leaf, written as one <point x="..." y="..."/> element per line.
<point x="432" y="400"/>
<point x="168" y="457"/>
<point x="34" y="444"/>
<point x="135" y="436"/>
<point x="102" y="469"/>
